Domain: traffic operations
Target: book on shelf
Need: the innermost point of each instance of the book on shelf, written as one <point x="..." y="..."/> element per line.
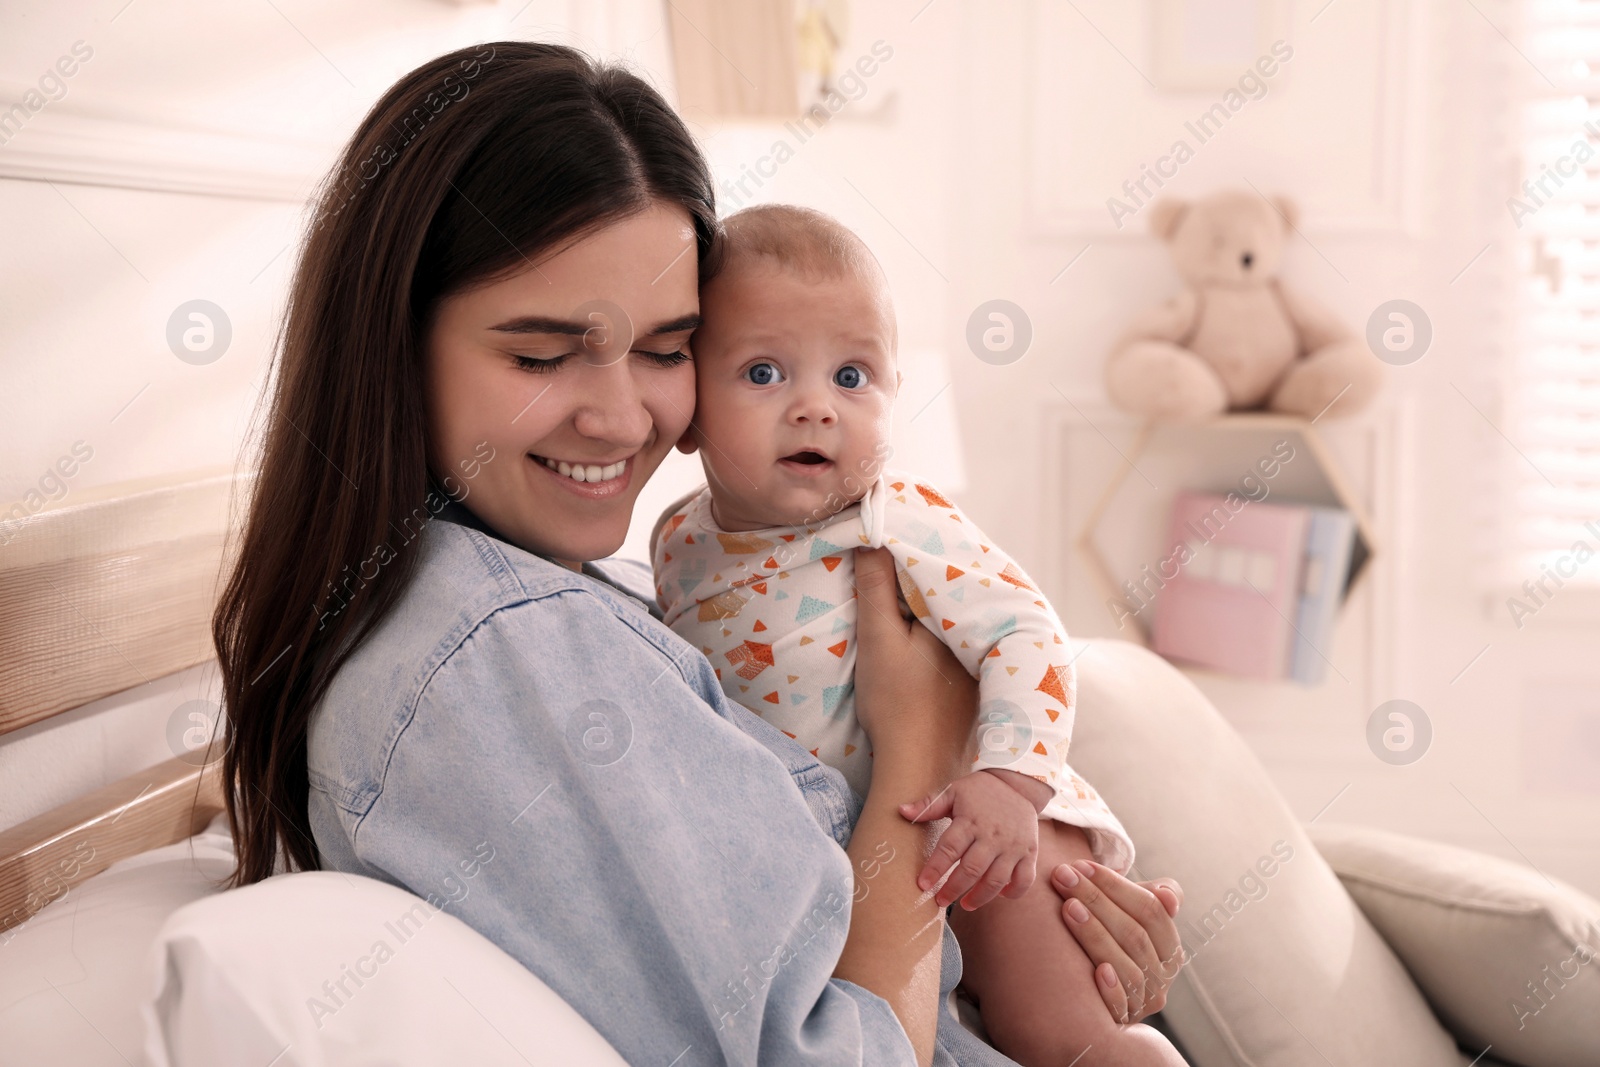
<point x="1258" y="588"/>
<point x="1330" y="539"/>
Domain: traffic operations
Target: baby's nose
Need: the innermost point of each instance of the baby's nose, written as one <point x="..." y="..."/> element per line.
<point x="814" y="408"/>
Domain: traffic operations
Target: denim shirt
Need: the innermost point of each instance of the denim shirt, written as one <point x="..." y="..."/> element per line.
<point x="666" y="861"/>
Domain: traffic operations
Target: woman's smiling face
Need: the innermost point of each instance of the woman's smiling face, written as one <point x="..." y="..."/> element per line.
<point x="577" y="374"/>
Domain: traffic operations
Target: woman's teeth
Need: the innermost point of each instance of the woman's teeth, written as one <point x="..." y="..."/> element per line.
<point x="585" y="473"/>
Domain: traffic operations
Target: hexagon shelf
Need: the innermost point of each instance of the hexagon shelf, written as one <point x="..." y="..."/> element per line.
<point x="1337" y="486"/>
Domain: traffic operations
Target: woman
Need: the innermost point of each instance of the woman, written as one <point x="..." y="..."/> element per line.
<point x="429" y="678"/>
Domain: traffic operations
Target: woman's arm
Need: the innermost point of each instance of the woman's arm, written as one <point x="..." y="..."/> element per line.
<point x="917" y="704"/>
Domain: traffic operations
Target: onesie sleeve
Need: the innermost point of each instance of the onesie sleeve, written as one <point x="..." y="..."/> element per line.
<point x="980" y="603"/>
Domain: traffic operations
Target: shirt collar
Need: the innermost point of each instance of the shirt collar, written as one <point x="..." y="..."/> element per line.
<point x="457" y="512"/>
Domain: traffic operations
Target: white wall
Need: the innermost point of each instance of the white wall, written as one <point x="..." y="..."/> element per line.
<point x="976" y="165"/>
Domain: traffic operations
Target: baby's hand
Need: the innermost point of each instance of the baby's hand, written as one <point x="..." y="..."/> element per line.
<point x="994" y="833"/>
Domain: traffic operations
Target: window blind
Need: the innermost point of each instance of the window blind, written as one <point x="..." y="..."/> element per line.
<point x="1553" y="398"/>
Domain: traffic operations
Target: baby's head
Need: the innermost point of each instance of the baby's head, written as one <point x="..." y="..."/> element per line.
<point x="795" y="373"/>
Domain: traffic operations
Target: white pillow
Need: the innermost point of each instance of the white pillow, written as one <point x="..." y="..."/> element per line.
<point x="1475" y="931"/>
<point x="71" y="976"/>
<point x="323" y="968"/>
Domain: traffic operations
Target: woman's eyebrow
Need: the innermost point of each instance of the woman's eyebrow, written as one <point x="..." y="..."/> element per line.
<point x="542" y="324"/>
<point x="570" y="328"/>
<point x="677" y="325"/>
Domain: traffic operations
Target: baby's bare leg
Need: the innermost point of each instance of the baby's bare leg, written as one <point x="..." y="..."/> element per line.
<point x="1032" y="982"/>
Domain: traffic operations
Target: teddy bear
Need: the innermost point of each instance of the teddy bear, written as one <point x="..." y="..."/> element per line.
<point x="1236" y="338"/>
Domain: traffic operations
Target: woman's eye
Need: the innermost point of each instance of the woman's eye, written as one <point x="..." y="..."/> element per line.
<point x="666" y="359"/>
<point x="850" y="377"/>
<point x="764" y="374"/>
<point x="539" y="365"/>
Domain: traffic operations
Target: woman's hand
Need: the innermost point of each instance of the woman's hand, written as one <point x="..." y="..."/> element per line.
<point x="1127" y="929"/>
<point x="914" y="698"/>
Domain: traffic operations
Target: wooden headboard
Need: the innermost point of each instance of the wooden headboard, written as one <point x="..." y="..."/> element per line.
<point x="106" y="593"/>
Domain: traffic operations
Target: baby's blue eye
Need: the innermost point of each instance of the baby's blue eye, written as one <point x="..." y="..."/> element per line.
<point x="764" y="374"/>
<point x="850" y="378"/>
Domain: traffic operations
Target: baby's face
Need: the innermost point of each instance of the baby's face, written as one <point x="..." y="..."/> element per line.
<point x="794" y="383"/>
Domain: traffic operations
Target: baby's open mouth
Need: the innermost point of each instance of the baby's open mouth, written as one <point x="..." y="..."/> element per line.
<point x="806" y="463"/>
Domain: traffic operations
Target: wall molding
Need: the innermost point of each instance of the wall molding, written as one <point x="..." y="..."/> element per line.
<point x="77" y="142"/>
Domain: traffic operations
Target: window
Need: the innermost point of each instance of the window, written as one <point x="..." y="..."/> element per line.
<point x="1553" y="404"/>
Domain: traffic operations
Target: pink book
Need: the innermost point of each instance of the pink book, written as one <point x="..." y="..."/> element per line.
<point x="1229" y="606"/>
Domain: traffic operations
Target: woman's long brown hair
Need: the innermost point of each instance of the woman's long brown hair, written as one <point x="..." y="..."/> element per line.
<point x="466" y="170"/>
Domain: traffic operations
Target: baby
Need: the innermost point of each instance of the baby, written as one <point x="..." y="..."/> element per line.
<point x="795" y="380"/>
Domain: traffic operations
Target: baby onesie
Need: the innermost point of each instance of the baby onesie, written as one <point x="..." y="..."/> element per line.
<point x="774" y="610"/>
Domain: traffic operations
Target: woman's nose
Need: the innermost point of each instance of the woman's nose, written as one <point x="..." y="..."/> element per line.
<point x="612" y="407"/>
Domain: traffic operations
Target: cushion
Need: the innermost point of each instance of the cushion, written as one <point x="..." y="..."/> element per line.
<point x="71" y="976"/>
<point x="320" y="968"/>
<point x="1505" y="957"/>
<point x="151" y="942"/>
<point x="328" y="968"/>
<point x="1285" y="969"/>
